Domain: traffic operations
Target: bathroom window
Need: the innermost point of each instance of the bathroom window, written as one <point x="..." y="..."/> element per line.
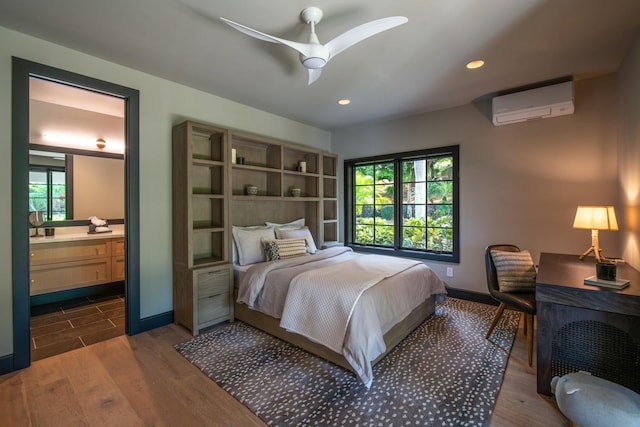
<point x="48" y="192"/>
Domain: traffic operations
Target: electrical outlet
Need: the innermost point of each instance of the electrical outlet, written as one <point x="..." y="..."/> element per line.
<point x="449" y="271"/>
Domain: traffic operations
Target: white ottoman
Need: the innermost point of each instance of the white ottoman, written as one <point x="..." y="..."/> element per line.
<point x="590" y="401"/>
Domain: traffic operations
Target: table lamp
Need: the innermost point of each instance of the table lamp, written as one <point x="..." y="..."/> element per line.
<point x="595" y="218"/>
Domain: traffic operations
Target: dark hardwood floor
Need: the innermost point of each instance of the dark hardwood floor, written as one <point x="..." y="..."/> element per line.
<point x="60" y="327"/>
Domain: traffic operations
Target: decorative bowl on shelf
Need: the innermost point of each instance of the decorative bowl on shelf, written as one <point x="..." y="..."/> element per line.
<point x="251" y="190"/>
<point x="295" y="192"/>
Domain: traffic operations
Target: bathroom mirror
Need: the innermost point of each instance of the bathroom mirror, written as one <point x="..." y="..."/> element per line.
<point x="73" y="187"/>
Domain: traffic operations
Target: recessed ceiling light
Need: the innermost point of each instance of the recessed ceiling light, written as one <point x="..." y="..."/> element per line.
<point x="475" y="64"/>
<point x="344" y="101"/>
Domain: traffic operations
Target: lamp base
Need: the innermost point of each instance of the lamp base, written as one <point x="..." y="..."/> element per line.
<point x="596" y="251"/>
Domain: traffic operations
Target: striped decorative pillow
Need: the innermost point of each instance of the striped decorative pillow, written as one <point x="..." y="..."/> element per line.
<point x="516" y="272"/>
<point x="284" y="248"/>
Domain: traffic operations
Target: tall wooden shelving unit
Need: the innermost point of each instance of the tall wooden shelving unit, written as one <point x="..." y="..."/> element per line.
<point x="202" y="276"/>
<point x="210" y="196"/>
<point x="272" y="167"/>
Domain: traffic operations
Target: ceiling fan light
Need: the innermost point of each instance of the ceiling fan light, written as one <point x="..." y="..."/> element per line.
<point x="314" y="63"/>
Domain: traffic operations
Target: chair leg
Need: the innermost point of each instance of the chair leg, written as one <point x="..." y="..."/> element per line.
<point x="525" y="323"/>
<point x="529" y="323"/>
<point x="494" y="322"/>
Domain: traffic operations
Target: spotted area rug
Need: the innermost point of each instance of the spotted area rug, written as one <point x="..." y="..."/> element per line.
<point x="444" y="374"/>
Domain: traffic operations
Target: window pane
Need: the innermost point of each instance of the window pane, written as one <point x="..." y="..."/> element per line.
<point x="413" y="170"/>
<point x="411" y="214"/>
<point x="364" y="194"/>
<point x="58" y="196"/>
<point x="38" y="190"/>
<point x="384" y="173"/>
<point x="440" y="169"/>
<point x="440" y="192"/>
<point x="440" y="239"/>
<point x="384" y="235"/>
<point x="440" y="216"/>
<point x="364" y="234"/>
<point x="414" y="237"/>
<point x="365" y="211"/>
<point x="385" y="213"/>
<point x="384" y="194"/>
<point x="414" y="193"/>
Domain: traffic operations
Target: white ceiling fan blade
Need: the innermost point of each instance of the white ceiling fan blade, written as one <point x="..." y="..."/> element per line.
<point x="361" y="32"/>
<point x="304" y="48"/>
<point x="314" y="74"/>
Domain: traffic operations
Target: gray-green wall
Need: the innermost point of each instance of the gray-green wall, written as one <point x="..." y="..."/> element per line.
<point x="162" y="104"/>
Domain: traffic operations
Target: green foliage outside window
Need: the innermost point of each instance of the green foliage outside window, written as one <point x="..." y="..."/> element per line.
<point x="426" y="204"/>
<point x="47" y="193"/>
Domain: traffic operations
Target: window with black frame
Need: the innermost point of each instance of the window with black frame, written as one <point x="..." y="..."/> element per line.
<point x="404" y="203"/>
<point x="47" y="192"/>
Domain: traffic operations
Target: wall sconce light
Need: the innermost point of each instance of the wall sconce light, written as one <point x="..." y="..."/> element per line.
<point x="595" y="218"/>
<point x="101" y="143"/>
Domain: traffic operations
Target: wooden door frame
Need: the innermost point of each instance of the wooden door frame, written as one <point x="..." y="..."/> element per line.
<point x="22" y="71"/>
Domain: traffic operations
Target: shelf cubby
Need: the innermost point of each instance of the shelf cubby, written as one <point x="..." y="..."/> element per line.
<point x="329" y="187"/>
<point x="208" y="247"/>
<point x="207" y="179"/>
<point x="291" y="158"/>
<point x="329" y="165"/>
<point x="207" y="212"/>
<point x="257" y="153"/>
<point x="330" y="231"/>
<point x="207" y="145"/>
<point x="330" y="210"/>
<point x="269" y="183"/>
<point x="308" y="184"/>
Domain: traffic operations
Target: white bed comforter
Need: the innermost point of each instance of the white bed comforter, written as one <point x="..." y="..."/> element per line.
<point x="376" y="301"/>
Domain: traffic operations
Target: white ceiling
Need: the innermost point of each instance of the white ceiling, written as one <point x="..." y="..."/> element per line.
<point x="413" y="68"/>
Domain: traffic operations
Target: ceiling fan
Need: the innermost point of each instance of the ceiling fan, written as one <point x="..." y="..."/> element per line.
<point x="315" y="55"/>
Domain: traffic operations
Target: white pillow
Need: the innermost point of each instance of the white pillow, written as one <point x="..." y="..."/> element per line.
<point x="298" y="234"/>
<point x="234" y="247"/>
<point x="298" y="223"/>
<point x="248" y="243"/>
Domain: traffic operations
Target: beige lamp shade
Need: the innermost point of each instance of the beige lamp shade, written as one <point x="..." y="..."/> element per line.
<point x="595" y="218"/>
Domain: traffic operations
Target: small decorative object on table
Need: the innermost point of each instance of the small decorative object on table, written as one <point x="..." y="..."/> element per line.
<point x="606" y="276"/>
<point x="98" y="225"/>
<point x="36" y="219"/>
<point x="251" y="190"/>
<point x="49" y="231"/>
<point x="295" y="192"/>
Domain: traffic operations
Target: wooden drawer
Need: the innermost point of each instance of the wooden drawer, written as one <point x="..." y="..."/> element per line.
<point x="117" y="268"/>
<point x="212" y="297"/>
<point x="213" y="307"/>
<point x="69" y="275"/>
<point x="47" y="253"/>
<point x="212" y="282"/>
<point x="117" y="247"/>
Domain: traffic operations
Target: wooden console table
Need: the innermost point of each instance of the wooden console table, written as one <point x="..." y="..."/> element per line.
<point x="584" y="327"/>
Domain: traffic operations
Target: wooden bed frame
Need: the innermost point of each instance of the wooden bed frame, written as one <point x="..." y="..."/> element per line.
<point x="392" y="338"/>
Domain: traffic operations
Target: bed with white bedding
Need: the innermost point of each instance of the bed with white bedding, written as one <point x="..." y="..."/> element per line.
<point x="349" y="308"/>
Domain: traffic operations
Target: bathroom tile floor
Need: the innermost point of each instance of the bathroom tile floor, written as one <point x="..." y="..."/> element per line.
<point x="74" y="324"/>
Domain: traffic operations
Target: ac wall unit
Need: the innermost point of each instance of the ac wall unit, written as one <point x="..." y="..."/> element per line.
<point x="540" y="103"/>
